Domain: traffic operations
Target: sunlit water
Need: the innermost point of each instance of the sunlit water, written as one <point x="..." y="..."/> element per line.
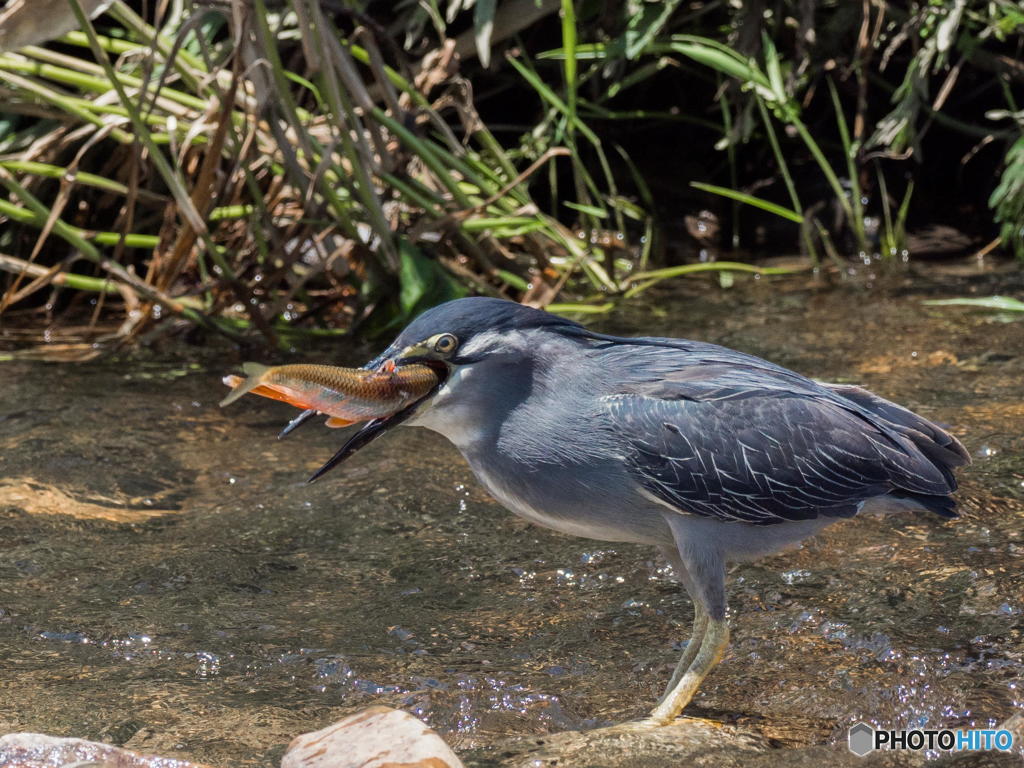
<point x="169" y="582"/>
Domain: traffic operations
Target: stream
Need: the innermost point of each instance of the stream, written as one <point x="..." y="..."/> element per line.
<point x="170" y="583"/>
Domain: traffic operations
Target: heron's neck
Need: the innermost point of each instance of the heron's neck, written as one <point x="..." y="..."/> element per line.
<point x="482" y="401"/>
<point x="475" y="401"/>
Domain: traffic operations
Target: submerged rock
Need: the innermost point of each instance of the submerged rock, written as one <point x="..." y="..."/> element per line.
<point x="691" y="742"/>
<point x="37" y="750"/>
<point x="373" y="738"/>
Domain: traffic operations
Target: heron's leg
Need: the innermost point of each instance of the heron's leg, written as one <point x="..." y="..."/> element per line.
<point x="700" y="619"/>
<point x="701" y="568"/>
<point x="700" y="623"/>
<point x="716" y="638"/>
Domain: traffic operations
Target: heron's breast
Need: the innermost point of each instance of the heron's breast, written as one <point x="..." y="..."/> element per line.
<point x="555" y="504"/>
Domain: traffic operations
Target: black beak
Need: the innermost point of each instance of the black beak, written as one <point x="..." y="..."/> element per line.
<point x="370" y="432"/>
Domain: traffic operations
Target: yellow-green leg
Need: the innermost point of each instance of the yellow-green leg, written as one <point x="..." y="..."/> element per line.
<point x="704" y="579"/>
<point x="700" y="623"/>
<point x="712" y="648"/>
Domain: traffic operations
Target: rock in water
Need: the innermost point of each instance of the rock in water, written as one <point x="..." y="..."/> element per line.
<point x="374" y="738"/>
<point x="37" y="750"/>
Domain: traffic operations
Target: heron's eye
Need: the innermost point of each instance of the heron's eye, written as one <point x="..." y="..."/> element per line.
<point x="445" y="344"/>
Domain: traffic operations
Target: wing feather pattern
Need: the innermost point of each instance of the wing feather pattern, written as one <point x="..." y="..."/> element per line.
<point x="740" y="439"/>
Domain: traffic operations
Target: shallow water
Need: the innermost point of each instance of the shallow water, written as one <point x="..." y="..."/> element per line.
<point x="168" y="581"/>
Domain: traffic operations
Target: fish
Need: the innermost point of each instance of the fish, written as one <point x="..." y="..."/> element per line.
<point x="345" y="395"/>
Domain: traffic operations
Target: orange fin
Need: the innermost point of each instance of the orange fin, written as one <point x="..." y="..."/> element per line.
<point x="336" y="422"/>
<point x="254" y="383"/>
<point x="280" y="394"/>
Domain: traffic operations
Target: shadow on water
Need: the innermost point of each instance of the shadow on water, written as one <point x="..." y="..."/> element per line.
<point x="168" y="581"/>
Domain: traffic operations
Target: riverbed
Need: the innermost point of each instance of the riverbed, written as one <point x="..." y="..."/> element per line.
<point x="169" y="582"/>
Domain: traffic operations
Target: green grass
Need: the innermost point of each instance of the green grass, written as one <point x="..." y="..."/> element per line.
<point x="310" y="175"/>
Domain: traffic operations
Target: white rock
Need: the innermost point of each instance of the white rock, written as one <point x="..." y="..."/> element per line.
<point x="373" y="738"/>
<point x="37" y="750"/>
<point x="1015" y="725"/>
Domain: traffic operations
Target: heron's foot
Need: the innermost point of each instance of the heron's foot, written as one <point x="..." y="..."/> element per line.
<point x="712" y="647"/>
<point x="633" y="726"/>
<point x="653" y="724"/>
<point x="694" y="720"/>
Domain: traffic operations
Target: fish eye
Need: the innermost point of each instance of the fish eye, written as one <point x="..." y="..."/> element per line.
<point x="445" y="344"/>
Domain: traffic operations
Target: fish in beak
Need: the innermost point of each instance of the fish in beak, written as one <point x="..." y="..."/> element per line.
<point x="383" y="393"/>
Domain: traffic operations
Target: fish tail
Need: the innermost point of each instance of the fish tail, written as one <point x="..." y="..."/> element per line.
<point x="254" y="376"/>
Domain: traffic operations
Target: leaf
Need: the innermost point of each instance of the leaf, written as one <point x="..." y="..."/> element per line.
<point x="898" y="130"/>
<point x="553" y="99"/>
<point x="1003" y="303"/>
<point x="423" y="282"/>
<point x="757" y="202"/>
<point x="580" y="308"/>
<point x="773" y="67"/>
<point x="483" y="223"/>
<point x="644" y="280"/>
<point x="483" y="26"/>
<point x="710" y="266"/>
<point x="946" y="33"/>
<point x="643" y="26"/>
<point x="512" y="279"/>
<point x="721" y="57"/>
<point x="1007" y="200"/>
<point x="590" y="210"/>
<point x="585" y="52"/>
<point x="454" y="7"/>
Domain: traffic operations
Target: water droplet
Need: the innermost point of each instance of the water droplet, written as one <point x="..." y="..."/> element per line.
<point x="796" y="577"/>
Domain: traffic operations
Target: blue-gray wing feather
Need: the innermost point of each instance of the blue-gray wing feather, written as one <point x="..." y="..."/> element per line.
<point x="748" y="441"/>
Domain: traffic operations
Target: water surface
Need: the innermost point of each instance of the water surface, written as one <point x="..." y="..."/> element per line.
<point x="168" y="581"/>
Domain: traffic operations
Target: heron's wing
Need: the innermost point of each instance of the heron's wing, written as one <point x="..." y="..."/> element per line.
<point x="748" y="446"/>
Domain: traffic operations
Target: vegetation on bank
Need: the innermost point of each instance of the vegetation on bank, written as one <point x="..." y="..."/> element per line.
<point x="275" y="169"/>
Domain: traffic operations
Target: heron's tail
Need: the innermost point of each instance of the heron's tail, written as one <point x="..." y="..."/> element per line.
<point x="939" y="450"/>
<point x="936" y="443"/>
<point x="943" y="506"/>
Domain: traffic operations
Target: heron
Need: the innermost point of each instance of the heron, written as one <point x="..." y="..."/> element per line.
<point x="712" y="456"/>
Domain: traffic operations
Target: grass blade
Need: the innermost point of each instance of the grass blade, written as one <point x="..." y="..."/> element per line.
<point x="757" y="202"/>
<point x="1003" y="303"/>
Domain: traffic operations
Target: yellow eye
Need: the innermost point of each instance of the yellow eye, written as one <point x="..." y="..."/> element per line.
<point x="445" y="344"/>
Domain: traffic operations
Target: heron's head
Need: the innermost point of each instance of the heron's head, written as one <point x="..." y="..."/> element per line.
<point x="478" y="347"/>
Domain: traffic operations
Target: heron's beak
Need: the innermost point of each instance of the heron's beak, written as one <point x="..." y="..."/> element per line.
<point x="377" y="427"/>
